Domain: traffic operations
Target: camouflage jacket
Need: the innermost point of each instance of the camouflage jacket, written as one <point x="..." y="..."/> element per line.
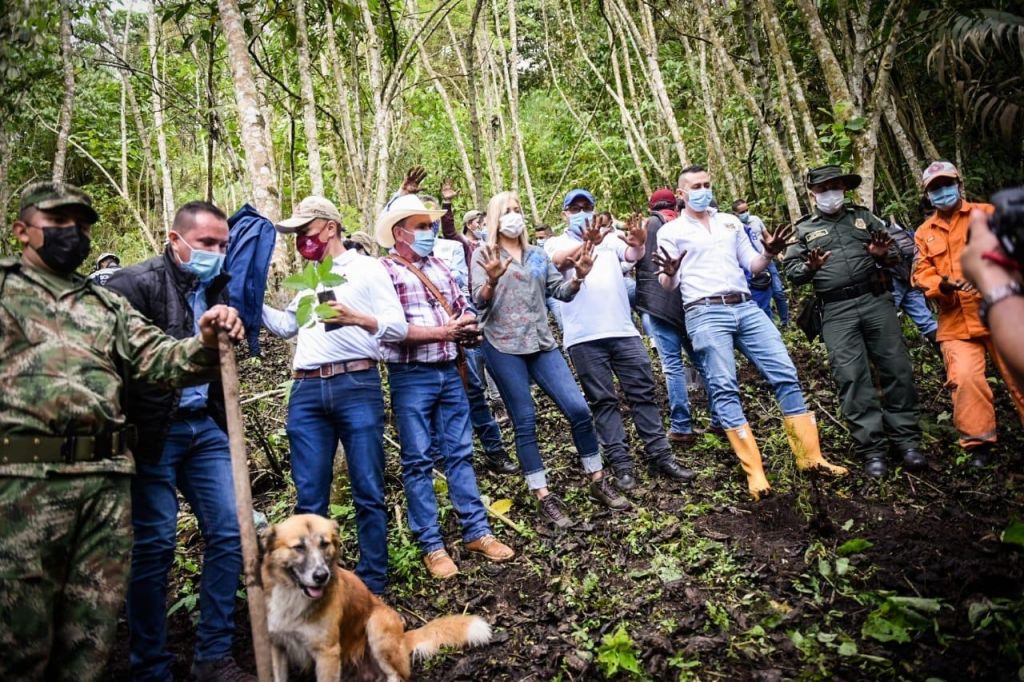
<point x="65" y="346"/>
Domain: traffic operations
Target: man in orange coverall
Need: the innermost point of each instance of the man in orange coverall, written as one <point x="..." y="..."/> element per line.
<point x="962" y="336"/>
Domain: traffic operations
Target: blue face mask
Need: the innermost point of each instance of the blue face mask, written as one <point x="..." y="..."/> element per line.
<point x="744" y="217"/>
<point x="578" y="222"/>
<point x="203" y="264"/>
<point x="423" y="242"/>
<point x="944" y="197"/>
<point x="700" y="199"/>
<point x="481" y="235"/>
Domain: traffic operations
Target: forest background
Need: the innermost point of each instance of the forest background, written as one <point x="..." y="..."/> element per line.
<point x="148" y="105"/>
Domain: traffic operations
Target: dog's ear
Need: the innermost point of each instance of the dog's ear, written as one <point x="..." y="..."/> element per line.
<point x="266" y="541"/>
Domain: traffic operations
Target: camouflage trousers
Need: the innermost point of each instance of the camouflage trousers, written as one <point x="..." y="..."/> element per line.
<point x="65" y="543"/>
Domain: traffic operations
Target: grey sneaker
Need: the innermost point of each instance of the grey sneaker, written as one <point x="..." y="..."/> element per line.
<point x="221" y="670"/>
<point x="552" y="509"/>
<point x="604" y="492"/>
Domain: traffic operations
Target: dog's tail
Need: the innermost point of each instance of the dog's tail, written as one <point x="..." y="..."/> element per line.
<point x="453" y="631"/>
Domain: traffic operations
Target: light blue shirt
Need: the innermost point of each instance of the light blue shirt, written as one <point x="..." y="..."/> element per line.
<point x="194" y="397"/>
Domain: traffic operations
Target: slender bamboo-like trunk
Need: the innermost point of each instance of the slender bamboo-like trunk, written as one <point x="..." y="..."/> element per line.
<point x="377" y="150"/>
<point x="716" y="150"/>
<point x="920" y="127"/>
<point x="903" y="141"/>
<point x="316" y="172"/>
<point x="353" y="152"/>
<point x="68" y="103"/>
<point x="156" y="98"/>
<point x="627" y="130"/>
<point x="835" y="81"/>
<point x="338" y="157"/>
<point x="469" y="65"/>
<point x="514" y="109"/>
<point x="493" y="117"/>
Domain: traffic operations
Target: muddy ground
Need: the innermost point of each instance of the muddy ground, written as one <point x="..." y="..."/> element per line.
<point x="901" y="579"/>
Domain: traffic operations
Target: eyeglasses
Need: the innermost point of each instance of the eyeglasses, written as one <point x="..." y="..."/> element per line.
<point x="577" y="208"/>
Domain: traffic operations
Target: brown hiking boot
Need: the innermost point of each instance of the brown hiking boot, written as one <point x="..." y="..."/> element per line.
<point x="553" y="511"/>
<point x="492" y="548"/>
<point x="686" y="439"/>
<point x="603" y="491"/>
<point x="440" y="564"/>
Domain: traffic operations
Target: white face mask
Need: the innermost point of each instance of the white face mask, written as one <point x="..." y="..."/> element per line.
<point x="511" y="225"/>
<point x="829" y="202"/>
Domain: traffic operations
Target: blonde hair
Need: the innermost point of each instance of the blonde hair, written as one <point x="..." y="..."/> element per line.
<point x="497" y="207"/>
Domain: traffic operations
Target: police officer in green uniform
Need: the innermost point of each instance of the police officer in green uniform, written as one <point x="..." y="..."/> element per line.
<point x="843" y="250"/>
<point x="66" y="345"/>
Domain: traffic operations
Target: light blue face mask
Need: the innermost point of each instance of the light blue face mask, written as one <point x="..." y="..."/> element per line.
<point x="578" y="222"/>
<point x="744" y="217"/>
<point x="481" y="235"/>
<point x="203" y="264"/>
<point x="700" y="199"/>
<point x="944" y="197"/>
<point x="423" y="242"/>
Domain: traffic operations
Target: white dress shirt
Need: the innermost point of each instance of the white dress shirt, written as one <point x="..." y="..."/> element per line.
<point x="367" y="289"/>
<point x="715" y="259"/>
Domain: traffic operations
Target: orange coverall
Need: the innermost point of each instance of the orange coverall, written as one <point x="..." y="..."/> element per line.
<point x="963" y="338"/>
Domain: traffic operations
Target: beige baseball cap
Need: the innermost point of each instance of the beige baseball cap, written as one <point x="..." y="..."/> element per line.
<point x="308" y="210"/>
<point x="939" y="169"/>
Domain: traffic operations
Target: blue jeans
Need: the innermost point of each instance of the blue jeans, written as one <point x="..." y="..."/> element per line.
<point x="913" y="303"/>
<point x="512" y="374"/>
<point x="669" y="342"/>
<point x="426" y="398"/>
<point x="714" y="331"/>
<point x="779" y="295"/>
<point x="349" y="407"/>
<point x="763" y="299"/>
<point x="484" y="424"/>
<point x="197" y="461"/>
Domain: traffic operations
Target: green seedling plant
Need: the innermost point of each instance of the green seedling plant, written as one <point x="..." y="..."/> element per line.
<point x="314" y="278"/>
<point x="617" y="654"/>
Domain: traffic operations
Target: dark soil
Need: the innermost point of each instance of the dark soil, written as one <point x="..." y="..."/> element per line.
<point x="707" y="584"/>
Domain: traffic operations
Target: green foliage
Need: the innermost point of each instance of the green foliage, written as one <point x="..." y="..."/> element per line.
<point x="1013" y="534"/>
<point x="314" y="278"/>
<point x="617" y="654"/>
<point x="897" y="618"/>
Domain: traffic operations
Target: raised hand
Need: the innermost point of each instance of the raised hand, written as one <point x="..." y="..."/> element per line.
<point x="593" y="232"/>
<point x="413" y="178"/>
<point x="816" y="258"/>
<point x="776" y="243"/>
<point x="583" y="261"/>
<point x="448" y="191"/>
<point x="667" y="265"/>
<point x="879" y="245"/>
<point x="636" y="231"/>
<point x="493" y="264"/>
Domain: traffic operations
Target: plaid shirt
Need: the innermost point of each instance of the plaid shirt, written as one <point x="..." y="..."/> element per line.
<point x="422" y="309"/>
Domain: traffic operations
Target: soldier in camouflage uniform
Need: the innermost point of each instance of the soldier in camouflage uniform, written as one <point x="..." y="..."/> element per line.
<point x="65" y="346"/>
<point x="843" y="249"/>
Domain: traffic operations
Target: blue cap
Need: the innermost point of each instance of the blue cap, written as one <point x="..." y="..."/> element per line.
<point x="574" y="194"/>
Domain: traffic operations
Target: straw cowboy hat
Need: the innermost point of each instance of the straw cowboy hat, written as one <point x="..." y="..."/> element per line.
<point x="399" y="209"/>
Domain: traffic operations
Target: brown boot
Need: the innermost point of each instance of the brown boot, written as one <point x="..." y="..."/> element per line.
<point x="745" y="447"/>
<point x="440" y="564"/>
<point x="491" y="548"/>
<point x="802" y="431"/>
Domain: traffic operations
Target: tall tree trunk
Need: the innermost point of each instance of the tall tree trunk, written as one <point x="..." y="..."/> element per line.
<point x="339" y="158"/>
<point x="632" y="141"/>
<point x="471" y="90"/>
<point x="353" y="153"/>
<point x="254" y="137"/>
<point x="166" y="188"/>
<point x="316" y="173"/>
<point x="517" y="138"/>
<point x="68" y="104"/>
<point x="903" y="141"/>
<point x="716" y="150"/>
<point x="835" y="81"/>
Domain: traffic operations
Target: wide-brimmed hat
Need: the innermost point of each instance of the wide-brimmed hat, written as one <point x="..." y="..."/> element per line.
<point x="308" y="210"/>
<point x="821" y="174"/>
<point x="401" y="208"/>
<point x="48" y="196"/>
<point x="938" y="169"/>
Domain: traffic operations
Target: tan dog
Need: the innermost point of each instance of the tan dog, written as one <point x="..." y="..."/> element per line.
<point x="319" y="613"/>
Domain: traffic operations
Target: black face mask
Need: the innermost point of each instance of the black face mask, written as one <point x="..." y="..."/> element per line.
<point x="64" y="248"/>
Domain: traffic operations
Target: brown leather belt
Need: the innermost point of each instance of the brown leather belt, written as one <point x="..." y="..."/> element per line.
<point x="334" y="368"/>
<point x="725" y="299"/>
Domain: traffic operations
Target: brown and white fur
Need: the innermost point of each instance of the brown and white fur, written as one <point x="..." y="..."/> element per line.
<point x="319" y="613"/>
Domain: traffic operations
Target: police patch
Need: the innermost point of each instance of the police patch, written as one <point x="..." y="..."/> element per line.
<point x="816" y="234"/>
<point x="860" y="224"/>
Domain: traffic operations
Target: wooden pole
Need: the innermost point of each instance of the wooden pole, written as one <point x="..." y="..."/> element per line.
<point x="243" y="507"/>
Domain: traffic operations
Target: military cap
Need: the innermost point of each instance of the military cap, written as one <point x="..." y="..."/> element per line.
<point x="821" y="174"/>
<point x="308" y="210"/>
<point x="48" y="196"/>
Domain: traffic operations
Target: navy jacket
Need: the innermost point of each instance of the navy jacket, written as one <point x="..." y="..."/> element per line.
<point x="248" y="262"/>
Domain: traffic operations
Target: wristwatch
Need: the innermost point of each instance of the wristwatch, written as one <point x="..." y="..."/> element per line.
<point x="997" y="295"/>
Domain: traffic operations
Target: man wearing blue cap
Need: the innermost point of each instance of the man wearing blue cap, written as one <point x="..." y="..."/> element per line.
<point x="602" y="341"/>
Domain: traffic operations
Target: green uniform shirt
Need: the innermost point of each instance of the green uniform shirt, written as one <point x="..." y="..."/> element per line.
<point x="846" y="235"/>
<point x="65" y="344"/>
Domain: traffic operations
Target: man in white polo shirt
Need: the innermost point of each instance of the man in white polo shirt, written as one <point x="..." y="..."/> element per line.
<point x="705" y="253"/>
<point x="336" y="392"/>
<point x="603" y="343"/>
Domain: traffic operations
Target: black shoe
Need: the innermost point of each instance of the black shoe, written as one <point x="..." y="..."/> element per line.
<point x="499" y="463"/>
<point x="671" y="470"/>
<point x="222" y="670"/>
<point x="913" y="460"/>
<point x="603" y="491"/>
<point x="554" y="512"/>
<point x="876" y="467"/>
<point x="981" y="456"/>
<point x="716" y="430"/>
<point x="625" y="481"/>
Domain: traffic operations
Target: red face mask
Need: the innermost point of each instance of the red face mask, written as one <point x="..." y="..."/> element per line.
<point x="311" y="248"/>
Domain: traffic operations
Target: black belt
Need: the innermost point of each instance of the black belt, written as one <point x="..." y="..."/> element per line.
<point x="845" y="293"/>
<point x="724" y="299"/>
<point x="67" y="449"/>
<point x="198" y="413"/>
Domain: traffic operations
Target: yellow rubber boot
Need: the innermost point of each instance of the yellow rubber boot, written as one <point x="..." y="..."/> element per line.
<point x="802" y="431"/>
<point x="745" y="447"/>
